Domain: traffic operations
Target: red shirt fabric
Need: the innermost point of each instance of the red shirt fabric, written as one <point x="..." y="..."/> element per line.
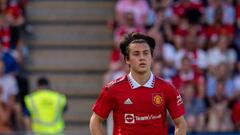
<point x="142" y="110"/>
<point x="236" y="112"/>
<point x="5" y="36"/>
<point x="238" y="11"/>
<point x="180" y="8"/>
<point x="218" y="30"/>
<point x="181" y="32"/>
<point x="14" y="9"/>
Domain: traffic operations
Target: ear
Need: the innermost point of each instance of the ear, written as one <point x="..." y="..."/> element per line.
<point x="127" y="61"/>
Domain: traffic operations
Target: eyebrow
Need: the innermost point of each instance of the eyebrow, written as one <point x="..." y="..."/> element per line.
<point x="146" y="51"/>
<point x="141" y="51"/>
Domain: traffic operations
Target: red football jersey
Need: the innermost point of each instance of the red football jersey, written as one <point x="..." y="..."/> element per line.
<point x="141" y="110"/>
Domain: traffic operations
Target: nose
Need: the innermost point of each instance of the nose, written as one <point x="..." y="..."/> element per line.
<point x="142" y="57"/>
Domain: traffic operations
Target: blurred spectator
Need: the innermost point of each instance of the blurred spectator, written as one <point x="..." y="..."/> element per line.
<point x="4" y="116"/>
<point x="238" y="12"/>
<point x="236" y="101"/>
<point x="3" y="4"/>
<point x="228" y="12"/>
<point x="157" y="68"/>
<point x="237" y="42"/>
<point x="237" y="31"/>
<point x="164" y="52"/>
<point x="197" y="56"/>
<point x="12" y="58"/>
<point x="218" y="28"/>
<point x="168" y="11"/>
<point x="219" y="115"/>
<point x="223" y="73"/>
<point x="139" y="9"/>
<point x="11" y="21"/>
<point x="181" y="7"/>
<point x="162" y="24"/>
<point x="222" y="53"/>
<point x="219" y="95"/>
<point x="9" y="92"/>
<point x="236" y="81"/>
<point x="11" y="65"/>
<point x="128" y="26"/>
<point x="5" y="32"/>
<point x="8" y="83"/>
<point x="235" y="113"/>
<point x="182" y="27"/>
<point x="16" y="20"/>
<point x="210" y="10"/>
<point x="187" y="74"/>
<point x="195" y="108"/>
<point x="178" y="41"/>
<point x="228" y="15"/>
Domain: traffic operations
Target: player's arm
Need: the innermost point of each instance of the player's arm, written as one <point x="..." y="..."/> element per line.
<point x="180" y="126"/>
<point x="175" y="107"/>
<point x="96" y="125"/>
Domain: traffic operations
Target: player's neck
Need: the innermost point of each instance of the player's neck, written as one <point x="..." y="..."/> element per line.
<point x="141" y="78"/>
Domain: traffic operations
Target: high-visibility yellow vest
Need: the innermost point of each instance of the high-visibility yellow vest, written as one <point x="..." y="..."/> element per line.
<point x="46" y="108"/>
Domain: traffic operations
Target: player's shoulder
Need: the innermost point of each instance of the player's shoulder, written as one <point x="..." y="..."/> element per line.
<point x="116" y="82"/>
<point x="164" y="82"/>
<point x="161" y="80"/>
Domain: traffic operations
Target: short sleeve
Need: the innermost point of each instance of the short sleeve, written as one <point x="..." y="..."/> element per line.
<point x="104" y="104"/>
<point x="174" y="103"/>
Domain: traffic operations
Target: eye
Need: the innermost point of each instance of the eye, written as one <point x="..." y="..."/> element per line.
<point x="135" y="53"/>
<point x="146" y="52"/>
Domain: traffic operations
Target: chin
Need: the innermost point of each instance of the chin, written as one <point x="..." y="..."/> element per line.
<point x="142" y="71"/>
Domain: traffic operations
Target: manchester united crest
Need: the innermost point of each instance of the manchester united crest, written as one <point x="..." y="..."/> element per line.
<point x="157" y="99"/>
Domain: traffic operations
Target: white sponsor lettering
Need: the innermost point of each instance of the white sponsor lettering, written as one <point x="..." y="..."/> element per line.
<point x="149" y="117"/>
<point x="130" y="118"/>
<point x="179" y="100"/>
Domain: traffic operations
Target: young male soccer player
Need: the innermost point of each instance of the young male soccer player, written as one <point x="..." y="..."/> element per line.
<point x="139" y="100"/>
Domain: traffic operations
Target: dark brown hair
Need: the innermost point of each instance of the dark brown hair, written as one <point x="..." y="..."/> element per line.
<point x="135" y="38"/>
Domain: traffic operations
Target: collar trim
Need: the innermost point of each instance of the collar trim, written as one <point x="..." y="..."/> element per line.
<point x="134" y="84"/>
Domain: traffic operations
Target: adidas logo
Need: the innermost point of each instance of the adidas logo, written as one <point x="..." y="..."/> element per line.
<point x="128" y="102"/>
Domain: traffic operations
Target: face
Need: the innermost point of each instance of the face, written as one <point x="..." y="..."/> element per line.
<point x="140" y="58"/>
<point x="222" y="70"/>
<point x="220" y="88"/>
<point x="188" y="92"/>
<point x="178" y="41"/>
<point x="223" y="42"/>
<point x="191" y="42"/>
<point x="186" y="65"/>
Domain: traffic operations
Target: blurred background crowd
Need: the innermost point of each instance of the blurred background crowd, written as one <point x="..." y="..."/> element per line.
<point x="13" y="50"/>
<point x="197" y="49"/>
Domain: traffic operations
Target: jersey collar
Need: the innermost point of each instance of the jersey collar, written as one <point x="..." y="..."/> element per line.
<point x="134" y="84"/>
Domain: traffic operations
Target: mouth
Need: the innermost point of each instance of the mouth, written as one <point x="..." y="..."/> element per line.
<point x="142" y="64"/>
